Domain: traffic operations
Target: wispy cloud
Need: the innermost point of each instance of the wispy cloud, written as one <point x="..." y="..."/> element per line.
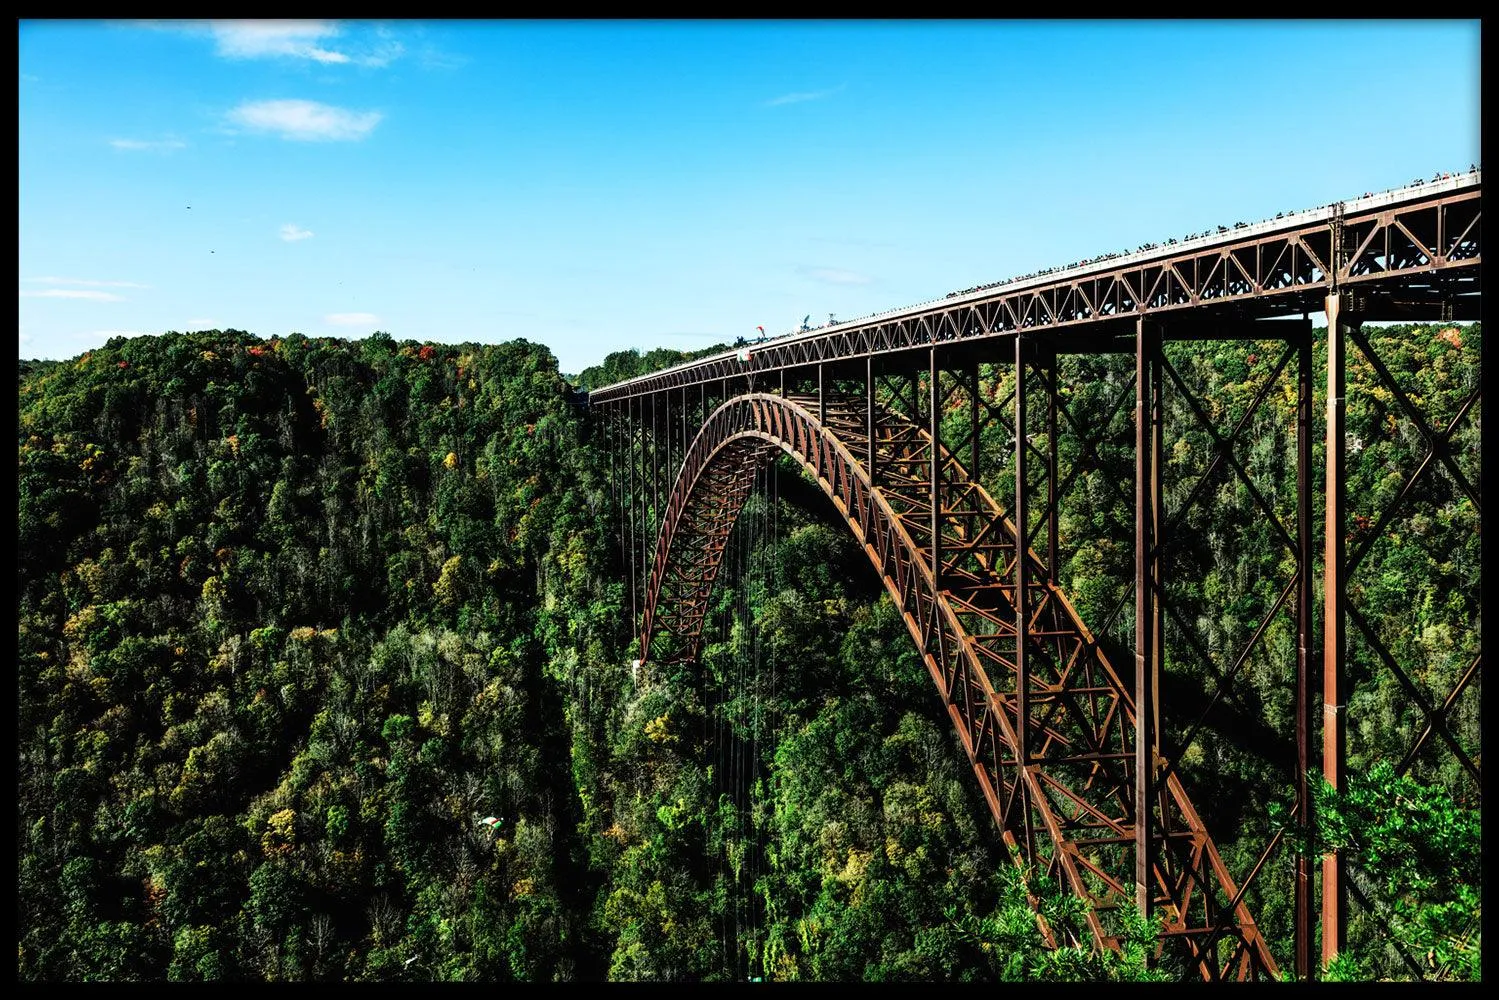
<point x="311" y="40"/>
<point x="291" y="232"/>
<point x="798" y="97"/>
<point x="305" y="121"/>
<point x="89" y="282"/>
<point x="433" y="58"/>
<point x="271" y="39"/>
<point x="74" y="293"/>
<point x="835" y="275"/>
<point x="150" y="145"/>
<point x="351" y="319"/>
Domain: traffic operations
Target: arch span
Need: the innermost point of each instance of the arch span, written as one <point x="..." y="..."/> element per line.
<point x="1068" y="807"/>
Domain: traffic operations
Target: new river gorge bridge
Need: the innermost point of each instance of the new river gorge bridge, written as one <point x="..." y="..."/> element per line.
<point x="1065" y="734"/>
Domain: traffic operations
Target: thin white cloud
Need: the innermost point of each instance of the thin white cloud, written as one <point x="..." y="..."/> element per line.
<point x="157" y="145"/>
<point x="798" y="97"/>
<point x="351" y="319"/>
<point x="90" y="282"/>
<point x="430" y="57"/>
<point x="270" y="39"/>
<point x="286" y="39"/>
<point x="291" y="232"/>
<point x="306" y="121"/>
<point x="74" y="293"/>
<point x="835" y="275"/>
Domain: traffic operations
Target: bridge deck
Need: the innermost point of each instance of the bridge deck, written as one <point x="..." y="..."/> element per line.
<point x="1410" y="253"/>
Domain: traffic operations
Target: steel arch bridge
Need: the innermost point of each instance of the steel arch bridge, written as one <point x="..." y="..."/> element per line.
<point x="886" y="415"/>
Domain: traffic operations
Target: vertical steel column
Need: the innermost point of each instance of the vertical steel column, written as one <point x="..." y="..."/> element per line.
<point x="655" y="471"/>
<point x="934" y="418"/>
<point x="822" y="402"/>
<point x="1051" y="464"/>
<point x="642" y="524"/>
<point x="869" y="409"/>
<point x="1022" y="546"/>
<point x="611" y="439"/>
<point x="1157" y="543"/>
<point x="605" y="412"/>
<point x="973" y="423"/>
<point x="666" y="460"/>
<point x="1334" y="638"/>
<point x="1145" y="607"/>
<point x="1303" y="892"/>
<point x="616" y="442"/>
<point x="629" y="432"/>
<point x="667" y="453"/>
<point x="666" y="456"/>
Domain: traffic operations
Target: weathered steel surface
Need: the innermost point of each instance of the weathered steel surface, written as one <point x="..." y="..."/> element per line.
<point x="1065" y="760"/>
<point x="1075" y="787"/>
<point x="1411" y="253"/>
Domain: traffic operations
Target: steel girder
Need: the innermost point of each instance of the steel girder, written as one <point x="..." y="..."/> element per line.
<point x="1408" y="254"/>
<point x="1411" y="255"/>
<point x="1048" y="725"/>
<point x="1349" y="539"/>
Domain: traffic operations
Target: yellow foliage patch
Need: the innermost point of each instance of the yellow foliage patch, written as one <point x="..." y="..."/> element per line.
<point x="656" y="730"/>
<point x="280" y="832"/>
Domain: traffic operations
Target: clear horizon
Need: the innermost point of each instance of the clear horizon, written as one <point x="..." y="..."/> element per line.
<point x="597" y="186"/>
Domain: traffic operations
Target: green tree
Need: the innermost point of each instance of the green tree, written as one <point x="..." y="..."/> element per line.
<point x="1426" y="853"/>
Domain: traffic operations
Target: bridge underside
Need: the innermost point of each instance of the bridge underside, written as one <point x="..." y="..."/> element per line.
<point x="1049" y="726"/>
<point x="1069" y="751"/>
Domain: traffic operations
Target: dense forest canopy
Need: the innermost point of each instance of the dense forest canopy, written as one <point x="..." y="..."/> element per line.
<point x="324" y="649"/>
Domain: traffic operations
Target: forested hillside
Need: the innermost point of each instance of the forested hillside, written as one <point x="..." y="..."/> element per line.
<point x="324" y="674"/>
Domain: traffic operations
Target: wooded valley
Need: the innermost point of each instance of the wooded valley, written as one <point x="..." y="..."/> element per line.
<point x="324" y="674"/>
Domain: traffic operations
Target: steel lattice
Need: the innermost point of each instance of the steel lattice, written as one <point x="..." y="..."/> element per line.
<point x="1070" y="808"/>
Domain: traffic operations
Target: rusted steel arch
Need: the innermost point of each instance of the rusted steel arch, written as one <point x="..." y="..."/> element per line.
<point x="1069" y="807"/>
<point x="695" y="529"/>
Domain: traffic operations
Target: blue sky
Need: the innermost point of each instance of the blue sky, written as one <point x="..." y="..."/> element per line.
<point x="597" y="185"/>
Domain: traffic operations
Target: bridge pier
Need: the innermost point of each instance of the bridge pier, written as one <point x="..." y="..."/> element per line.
<point x="1340" y="321"/>
<point x="934" y="474"/>
<point x="1410" y="259"/>
<point x="1147" y="610"/>
<point x="1022" y="602"/>
<point x="1304" y="890"/>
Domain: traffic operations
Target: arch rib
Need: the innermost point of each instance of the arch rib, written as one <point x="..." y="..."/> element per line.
<point x="1075" y="790"/>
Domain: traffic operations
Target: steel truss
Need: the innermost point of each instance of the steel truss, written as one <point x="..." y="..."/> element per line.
<point x="1068" y="752"/>
<point x="1412" y="255"/>
<point x="1065" y="784"/>
<point x="1349" y="539"/>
